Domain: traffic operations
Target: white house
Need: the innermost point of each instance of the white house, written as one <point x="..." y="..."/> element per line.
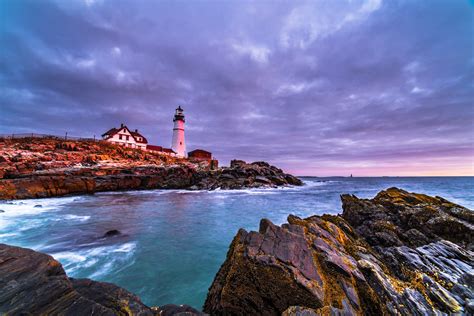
<point x="123" y="136"/>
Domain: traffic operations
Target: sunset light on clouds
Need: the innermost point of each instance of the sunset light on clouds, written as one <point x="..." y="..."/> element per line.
<point x="323" y="88"/>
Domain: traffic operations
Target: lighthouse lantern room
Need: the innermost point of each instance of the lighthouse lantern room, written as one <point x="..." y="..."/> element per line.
<point x="178" y="144"/>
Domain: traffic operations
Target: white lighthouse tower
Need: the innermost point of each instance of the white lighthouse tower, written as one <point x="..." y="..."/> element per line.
<point x="177" y="144"/>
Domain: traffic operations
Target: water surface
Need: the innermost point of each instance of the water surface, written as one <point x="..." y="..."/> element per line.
<point x="173" y="242"/>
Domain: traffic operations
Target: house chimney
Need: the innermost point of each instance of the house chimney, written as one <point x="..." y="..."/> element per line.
<point x="136" y="131"/>
<point x="121" y="125"/>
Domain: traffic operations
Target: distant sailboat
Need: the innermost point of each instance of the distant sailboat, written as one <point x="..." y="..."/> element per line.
<point x="351" y="175"/>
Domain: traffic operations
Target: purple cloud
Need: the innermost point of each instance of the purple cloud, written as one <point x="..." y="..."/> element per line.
<point x="320" y="88"/>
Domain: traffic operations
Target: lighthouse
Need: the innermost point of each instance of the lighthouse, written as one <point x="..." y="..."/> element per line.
<point x="177" y="143"/>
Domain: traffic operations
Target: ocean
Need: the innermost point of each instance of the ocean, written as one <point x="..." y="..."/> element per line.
<point x="173" y="242"/>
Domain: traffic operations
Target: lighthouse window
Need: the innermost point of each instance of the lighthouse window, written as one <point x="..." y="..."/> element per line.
<point x="180" y="143"/>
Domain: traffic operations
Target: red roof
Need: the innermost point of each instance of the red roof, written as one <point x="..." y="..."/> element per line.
<point x="160" y="149"/>
<point x="154" y="148"/>
<point x="200" y="151"/>
<point x="169" y="150"/>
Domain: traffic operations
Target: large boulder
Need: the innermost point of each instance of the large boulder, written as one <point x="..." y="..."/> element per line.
<point x="323" y="265"/>
<point x="302" y="263"/>
<point x="32" y="283"/>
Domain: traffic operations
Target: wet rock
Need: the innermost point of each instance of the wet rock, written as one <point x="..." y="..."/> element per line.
<point x="291" y="265"/>
<point x="385" y="256"/>
<point x="32" y="283"/>
<point x="111" y="233"/>
<point x="38" y="206"/>
<point x="395" y="217"/>
<point x="178" y="310"/>
<point x="300" y="311"/>
<point x="111" y="296"/>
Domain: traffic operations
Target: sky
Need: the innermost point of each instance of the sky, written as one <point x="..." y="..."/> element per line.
<point x="321" y="88"/>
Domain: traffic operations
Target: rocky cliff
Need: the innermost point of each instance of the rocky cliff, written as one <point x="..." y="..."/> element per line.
<point x="36" y="168"/>
<point x="397" y="254"/>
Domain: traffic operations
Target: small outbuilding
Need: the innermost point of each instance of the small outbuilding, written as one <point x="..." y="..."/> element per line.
<point x="200" y="154"/>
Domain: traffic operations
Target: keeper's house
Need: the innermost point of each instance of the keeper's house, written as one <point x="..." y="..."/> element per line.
<point x="125" y="137"/>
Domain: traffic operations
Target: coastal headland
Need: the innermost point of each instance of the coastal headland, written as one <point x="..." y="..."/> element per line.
<point x="38" y="168"/>
<point x="399" y="253"/>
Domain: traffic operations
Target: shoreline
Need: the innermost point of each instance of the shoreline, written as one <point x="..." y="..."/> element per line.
<point x="40" y="168"/>
<point x="350" y="254"/>
<point x="164" y="178"/>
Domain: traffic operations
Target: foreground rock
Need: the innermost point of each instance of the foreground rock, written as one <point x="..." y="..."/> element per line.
<point x="397" y="254"/>
<point x="37" y="168"/>
<point x="34" y="283"/>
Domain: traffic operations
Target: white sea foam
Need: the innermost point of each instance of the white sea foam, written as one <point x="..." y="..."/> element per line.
<point x="77" y="217"/>
<point x="106" y="258"/>
<point x="33" y="206"/>
<point x="14" y="211"/>
<point x="8" y="235"/>
<point x="316" y="183"/>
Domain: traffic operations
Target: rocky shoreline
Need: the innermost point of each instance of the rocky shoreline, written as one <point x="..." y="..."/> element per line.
<point x="399" y="253"/>
<point x="38" y="168"/>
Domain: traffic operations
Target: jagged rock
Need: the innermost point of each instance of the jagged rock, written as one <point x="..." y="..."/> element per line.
<point x="262" y="179"/>
<point x="32" y="283"/>
<point x="303" y="263"/>
<point x="322" y="266"/>
<point x="111" y="296"/>
<point x="237" y="163"/>
<point x="300" y="311"/>
<point x="396" y="217"/>
<point x="242" y="175"/>
<point x="178" y="310"/>
<point x="112" y="233"/>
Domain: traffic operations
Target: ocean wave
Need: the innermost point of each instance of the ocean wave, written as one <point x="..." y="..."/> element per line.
<point x="107" y="258"/>
<point x="33" y="206"/>
<point x="134" y="192"/>
<point x="8" y="234"/>
<point x="77" y="217"/>
<point x="315" y="183"/>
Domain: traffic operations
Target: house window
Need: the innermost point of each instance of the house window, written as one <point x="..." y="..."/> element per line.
<point x="120" y="136"/>
<point x="126" y="137"/>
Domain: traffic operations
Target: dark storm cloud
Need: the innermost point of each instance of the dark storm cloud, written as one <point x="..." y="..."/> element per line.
<point x="316" y="87"/>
